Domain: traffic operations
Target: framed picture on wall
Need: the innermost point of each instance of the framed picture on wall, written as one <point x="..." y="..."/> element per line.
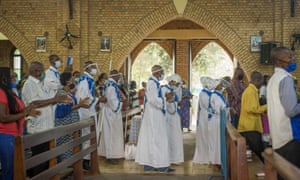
<point x="255" y="42"/>
<point x="40" y="44"/>
<point x="105" y="44"/>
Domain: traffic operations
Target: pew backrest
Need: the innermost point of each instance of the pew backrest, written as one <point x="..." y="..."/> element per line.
<point x="22" y="163"/>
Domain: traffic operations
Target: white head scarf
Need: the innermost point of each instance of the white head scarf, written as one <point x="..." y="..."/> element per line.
<point x="207" y="82"/>
<point x="171" y="78"/>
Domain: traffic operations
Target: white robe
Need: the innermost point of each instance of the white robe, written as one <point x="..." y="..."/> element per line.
<point x="52" y="81"/>
<point x="214" y="141"/>
<point x="152" y="148"/>
<point x="174" y="131"/>
<point x="112" y="138"/>
<point x="85" y="113"/>
<point x="201" y="149"/>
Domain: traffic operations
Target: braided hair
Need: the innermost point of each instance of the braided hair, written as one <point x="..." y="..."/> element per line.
<point x="5" y="79"/>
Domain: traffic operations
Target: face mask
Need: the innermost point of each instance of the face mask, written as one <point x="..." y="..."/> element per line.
<point x="183" y="86"/>
<point x="93" y="72"/>
<point x="292" y="66"/>
<point x="57" y="64"/>
<point x="173" y="87"/>
<point x="76" y="79"/>
<point x="161" y="77"/>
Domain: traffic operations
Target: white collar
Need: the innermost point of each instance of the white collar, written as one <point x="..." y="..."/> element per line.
<point x="53" y="68"/>
<point x="88" y="74"/>
<point x="35" y="80"/>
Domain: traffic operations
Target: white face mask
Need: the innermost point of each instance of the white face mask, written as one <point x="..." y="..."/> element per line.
<point x="93" y="72"/>
<point x="57" y="64"/>
<point x="183" y="86"/>
<point x="161" y="77"/>
<point x="174" y="87"/>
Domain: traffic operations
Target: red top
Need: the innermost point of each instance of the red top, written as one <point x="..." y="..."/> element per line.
<point x="141" y="96"/>
<point x="12" y="127"/>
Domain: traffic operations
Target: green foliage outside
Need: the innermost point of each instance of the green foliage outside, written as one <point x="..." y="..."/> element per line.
<point x="211" y="61"/>
<point x="151" y="55"/>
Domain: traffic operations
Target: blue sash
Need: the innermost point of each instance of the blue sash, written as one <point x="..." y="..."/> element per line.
<point x="159" y="95"/>
<point x="90" y="81"/>
<point x="175" y="98"/>
<point x="115" y="86"/>
<point x="56" y="73"/>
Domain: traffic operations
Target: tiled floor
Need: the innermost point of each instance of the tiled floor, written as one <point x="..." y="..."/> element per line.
<point x="131" y="170"/>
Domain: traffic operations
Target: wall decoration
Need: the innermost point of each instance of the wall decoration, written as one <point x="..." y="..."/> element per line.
<point x="105" y="44"/>
<point x="255" y="42"/>
<point x="40" y="44"/>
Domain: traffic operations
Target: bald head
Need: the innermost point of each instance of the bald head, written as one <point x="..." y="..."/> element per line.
<point x="36" y="69"/>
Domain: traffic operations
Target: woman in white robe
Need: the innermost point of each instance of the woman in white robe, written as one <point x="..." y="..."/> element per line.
<point x="201" y="148"/>
<point x="218" y="102"/>
<point x="174" y="130"/>
<point x="112" y="130"/>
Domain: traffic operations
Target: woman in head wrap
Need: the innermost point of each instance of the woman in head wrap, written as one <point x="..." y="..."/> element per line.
<point x="201" y="149"/>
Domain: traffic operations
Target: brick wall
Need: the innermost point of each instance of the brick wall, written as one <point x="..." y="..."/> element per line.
<point x="129" y="22"/>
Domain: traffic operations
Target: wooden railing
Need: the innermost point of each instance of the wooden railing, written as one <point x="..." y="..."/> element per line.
<point x="274" y="163"/>
<point x="23" y="163"/>
<point x="237" y="158"/>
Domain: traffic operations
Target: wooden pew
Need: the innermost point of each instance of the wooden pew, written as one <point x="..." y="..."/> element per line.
<point x="274" y="163"/>
<point x="23" y="163"/>
<point x="237" y="158"/>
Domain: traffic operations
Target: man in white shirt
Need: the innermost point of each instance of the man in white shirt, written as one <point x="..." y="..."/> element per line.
<point x="52" y="76"/>
<point x="33" y="93"/>
<point x="112" y="143"/>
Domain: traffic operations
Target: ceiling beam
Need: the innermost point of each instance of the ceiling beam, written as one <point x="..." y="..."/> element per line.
<point x="181" y="34"/>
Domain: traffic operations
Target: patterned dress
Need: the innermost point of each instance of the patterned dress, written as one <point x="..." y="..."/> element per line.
<point x="64" y="116"/>
<point x="185" y="108"/>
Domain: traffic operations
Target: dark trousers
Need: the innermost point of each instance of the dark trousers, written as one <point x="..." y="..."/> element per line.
<point x="254" y="141"/>
<point x="291" y="152"/>
<point x="41" y="167"/>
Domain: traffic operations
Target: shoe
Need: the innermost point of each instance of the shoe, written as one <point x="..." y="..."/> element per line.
<point x="170" y="170"/>
<point x="86" y="164"/>
<point x="163" y="170"/>
<point x="260" y="174"/>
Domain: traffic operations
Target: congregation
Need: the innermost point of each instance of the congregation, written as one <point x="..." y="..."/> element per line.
<point x="265" y="112"/>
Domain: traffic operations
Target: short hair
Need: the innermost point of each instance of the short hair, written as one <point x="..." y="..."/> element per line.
<point x="53" y="57"/>
<point x="64" y="77"/>
<point x="277" y="52"/>
<point x="256" y="75"/>
<point x="33" y="65"/>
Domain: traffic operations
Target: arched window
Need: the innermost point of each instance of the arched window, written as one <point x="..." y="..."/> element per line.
<point x="212" y="61"/>
<point x="149" y="56"/>
<point x="17" y="63"/>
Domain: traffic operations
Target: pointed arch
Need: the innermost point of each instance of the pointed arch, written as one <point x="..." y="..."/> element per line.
<point x="192" y="12"/>
<point x="18" y="40"/>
